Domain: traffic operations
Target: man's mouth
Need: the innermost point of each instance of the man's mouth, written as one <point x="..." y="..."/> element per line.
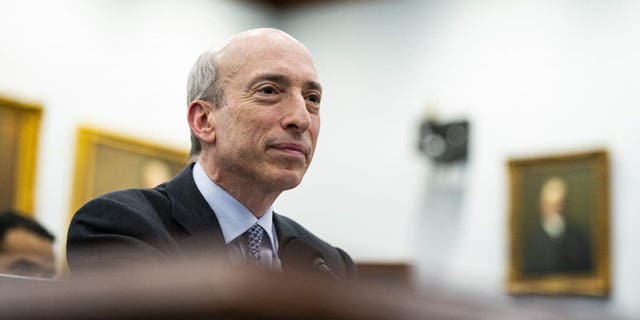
<point x="293" y="149"/>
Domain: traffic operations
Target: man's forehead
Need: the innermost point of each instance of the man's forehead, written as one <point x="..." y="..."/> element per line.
<point x="272" y="52"/>
<point x="22" y="240"/>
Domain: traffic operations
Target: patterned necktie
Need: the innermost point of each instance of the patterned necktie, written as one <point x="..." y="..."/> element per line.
<point x="255" y="242"/>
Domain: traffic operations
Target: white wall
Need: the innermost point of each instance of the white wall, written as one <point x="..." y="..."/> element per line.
<point x="533" y="77"/>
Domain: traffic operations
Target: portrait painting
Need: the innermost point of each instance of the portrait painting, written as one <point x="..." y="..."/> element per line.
<point x="19" y="130"/>
<point x="107" y="162"/>
<point x="559" y="225"/>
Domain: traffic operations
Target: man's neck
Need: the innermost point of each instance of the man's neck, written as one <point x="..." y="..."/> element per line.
<point x="249" y="193"/>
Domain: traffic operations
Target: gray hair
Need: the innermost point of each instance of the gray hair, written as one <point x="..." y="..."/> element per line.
<point x="203" y="85"/>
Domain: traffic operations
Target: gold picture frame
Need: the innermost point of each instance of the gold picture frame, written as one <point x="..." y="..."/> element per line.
<point x="19" y="133"/>
<point x="559" y="225"/>
<point x="108" y="162"/>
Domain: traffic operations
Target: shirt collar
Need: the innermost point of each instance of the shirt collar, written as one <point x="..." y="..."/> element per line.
<point x="234" y="218"/>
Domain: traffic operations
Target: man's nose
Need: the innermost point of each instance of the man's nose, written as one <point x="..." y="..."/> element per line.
<point x="296" y="115"/>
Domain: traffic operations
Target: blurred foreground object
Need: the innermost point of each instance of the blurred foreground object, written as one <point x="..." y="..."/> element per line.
<point x="397" y="274"/>
<point x="26" y="248"/>
<point x="201" y="290"/>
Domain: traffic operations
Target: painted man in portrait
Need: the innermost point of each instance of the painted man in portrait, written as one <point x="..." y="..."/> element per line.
<point x="555" y="244"/>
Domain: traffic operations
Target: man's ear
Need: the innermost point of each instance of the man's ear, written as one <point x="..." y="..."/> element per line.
<point x="200" y="120"/>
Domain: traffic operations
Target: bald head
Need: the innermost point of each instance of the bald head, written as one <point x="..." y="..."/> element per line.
<point x="244" y="43"/>
<point x="214" y="68"/>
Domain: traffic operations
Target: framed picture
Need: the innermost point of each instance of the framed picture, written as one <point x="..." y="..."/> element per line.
<point x="107" y="162"/>
<point x="19" y="131"/>
<point x="559" y="224"/>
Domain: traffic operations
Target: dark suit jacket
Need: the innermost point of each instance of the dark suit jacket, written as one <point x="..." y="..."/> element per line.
<point x="142" y="226"/>
<point x="571" y="252"/>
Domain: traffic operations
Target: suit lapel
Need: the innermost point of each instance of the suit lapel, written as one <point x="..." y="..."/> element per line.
<point x="284" y="229"/>
<point x="190" y="209"/>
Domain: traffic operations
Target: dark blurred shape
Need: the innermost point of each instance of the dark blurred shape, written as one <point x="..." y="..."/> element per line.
<point x="26" y="248"/>
<point x="397" y="274"/>
<point x="203" y="290"/>
<point x="444" y="142"/>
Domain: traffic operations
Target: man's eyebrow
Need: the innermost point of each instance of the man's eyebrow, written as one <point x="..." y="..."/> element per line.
<point x="273" y="77"/>
<point x="314" y="85"/>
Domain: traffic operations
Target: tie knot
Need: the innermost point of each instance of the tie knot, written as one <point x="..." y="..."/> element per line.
<point x="255" y="234"/>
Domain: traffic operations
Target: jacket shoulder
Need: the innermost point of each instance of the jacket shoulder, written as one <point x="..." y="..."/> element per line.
<point x="122" y="225"/>
<point x="147" y="205"/>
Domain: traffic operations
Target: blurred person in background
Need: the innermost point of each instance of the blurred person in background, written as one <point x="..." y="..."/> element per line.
<point x="26" y="248"/>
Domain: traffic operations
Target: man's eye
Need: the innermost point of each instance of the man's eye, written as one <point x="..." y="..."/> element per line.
<point x="315" y="98"/>
<point x="267" y="90"/>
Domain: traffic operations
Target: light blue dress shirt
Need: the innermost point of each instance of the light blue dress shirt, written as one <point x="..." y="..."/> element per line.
<point x="235" y="219"/>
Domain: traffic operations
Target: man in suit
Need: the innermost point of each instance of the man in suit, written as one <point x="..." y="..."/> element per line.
<point x="254" y="115"/>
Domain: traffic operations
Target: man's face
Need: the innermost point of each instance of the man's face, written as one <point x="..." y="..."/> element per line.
<point x="267" y="128"/>
<point x="25" y="253"/>
<point x="553" y="197"/>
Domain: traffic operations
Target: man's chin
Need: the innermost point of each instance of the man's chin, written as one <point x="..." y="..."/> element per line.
<point x="287" y="179"/>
